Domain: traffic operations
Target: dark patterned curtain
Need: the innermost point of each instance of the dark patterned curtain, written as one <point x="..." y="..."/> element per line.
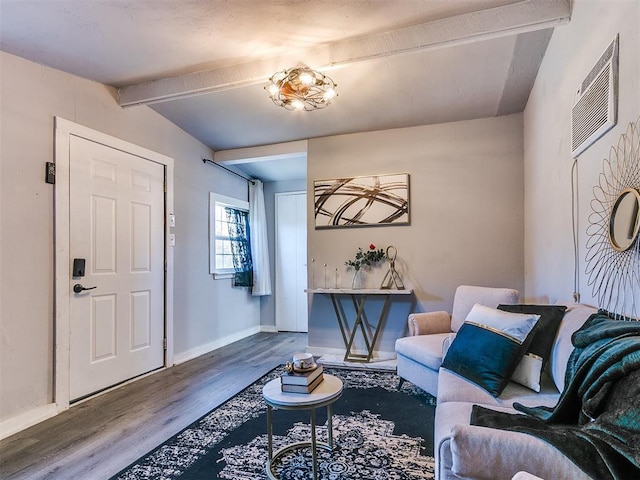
<point x="239" y="234"/>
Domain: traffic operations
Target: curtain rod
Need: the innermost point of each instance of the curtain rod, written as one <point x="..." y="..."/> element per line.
<point x="206" y="160"/>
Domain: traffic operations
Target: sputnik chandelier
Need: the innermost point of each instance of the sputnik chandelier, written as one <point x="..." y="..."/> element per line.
<point x="301" y="88"/>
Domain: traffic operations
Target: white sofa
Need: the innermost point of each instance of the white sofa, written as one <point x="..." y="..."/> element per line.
<point x="420" y="354"/>
<point x="472" y="452"/>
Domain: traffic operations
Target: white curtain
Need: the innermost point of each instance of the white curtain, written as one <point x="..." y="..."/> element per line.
<point x="259" y="244"/>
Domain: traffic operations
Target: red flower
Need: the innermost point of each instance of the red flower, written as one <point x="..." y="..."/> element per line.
<point x="372" y="247"/>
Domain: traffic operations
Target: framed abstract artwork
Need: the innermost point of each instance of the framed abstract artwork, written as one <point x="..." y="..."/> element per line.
<point x="362" y="201"/>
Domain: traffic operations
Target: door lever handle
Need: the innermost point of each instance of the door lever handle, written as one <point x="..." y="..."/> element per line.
<point x="77" y="288"/>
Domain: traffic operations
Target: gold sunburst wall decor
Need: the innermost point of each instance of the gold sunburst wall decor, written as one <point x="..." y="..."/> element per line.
<point x="613" y="247"/>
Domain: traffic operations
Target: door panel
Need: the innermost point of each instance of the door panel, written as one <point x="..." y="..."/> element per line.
<point x="103" y="327"/>
<point x="141" y="237"/>
<point x="117" y="224"/>
<point x="103" y="235"/>
<point x="140" y="319"/>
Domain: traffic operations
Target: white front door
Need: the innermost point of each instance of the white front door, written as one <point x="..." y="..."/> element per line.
<point x="117" y="226"/>
<point x="291" y="262"/>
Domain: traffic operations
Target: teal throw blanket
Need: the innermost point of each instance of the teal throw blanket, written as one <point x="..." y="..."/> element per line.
<point x="596" y="422"/>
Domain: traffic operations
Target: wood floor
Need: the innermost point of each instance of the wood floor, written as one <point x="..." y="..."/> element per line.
<point x="99" y="437"/>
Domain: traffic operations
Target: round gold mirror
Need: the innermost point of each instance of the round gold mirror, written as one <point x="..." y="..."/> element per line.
<point x="625" y="220"/>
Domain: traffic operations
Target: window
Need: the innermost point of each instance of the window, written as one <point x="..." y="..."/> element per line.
<point x="223" y="254"/>
<point x="229" y="251"/>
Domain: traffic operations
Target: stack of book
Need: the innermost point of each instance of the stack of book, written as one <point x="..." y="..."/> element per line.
<point x="301" y="382"/>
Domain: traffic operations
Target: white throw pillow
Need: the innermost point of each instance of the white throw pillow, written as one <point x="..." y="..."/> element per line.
<point x="516" y="325"/>
<point x="528" y="371"/>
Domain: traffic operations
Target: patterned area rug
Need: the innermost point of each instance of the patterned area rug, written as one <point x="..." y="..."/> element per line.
<point x="379" y="433"/>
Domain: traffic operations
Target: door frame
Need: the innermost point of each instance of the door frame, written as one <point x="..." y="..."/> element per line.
<point x="64" y="130"/>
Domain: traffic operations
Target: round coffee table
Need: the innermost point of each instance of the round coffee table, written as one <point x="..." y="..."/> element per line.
<point x="329" y="390"/>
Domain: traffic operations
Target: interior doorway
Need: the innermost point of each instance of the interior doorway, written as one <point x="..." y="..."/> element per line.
<point x="291" y="261"/>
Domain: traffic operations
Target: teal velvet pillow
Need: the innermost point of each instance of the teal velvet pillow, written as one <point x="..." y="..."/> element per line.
<point x="489" y="346"/>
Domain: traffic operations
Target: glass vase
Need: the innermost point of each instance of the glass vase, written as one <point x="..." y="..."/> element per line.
<point x="357" y="282"/>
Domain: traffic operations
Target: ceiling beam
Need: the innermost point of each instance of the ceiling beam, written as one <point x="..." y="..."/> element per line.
<point x="512" y="19"/>
<point x="263" y="153"/>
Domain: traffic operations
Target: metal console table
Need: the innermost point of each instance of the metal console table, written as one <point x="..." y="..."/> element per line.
<point x="361" y="323"/>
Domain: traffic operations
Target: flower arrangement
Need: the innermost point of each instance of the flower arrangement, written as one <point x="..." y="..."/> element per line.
<point x="366" y="259"/>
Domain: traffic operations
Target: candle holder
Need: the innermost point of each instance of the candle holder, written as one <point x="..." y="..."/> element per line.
<point x="313" y="273"/>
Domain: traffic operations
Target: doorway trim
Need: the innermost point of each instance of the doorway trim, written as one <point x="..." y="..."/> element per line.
<point x="64" y="130"/>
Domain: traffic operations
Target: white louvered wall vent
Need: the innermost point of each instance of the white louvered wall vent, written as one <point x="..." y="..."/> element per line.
<point x="595" y="108"/>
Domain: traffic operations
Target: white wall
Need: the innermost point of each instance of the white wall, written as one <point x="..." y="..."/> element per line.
<point x="206" y="311"/>
<point x="466" y="182"/>
<point x="572" y="52"/>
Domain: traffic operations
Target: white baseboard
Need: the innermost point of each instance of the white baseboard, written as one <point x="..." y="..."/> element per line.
<point x="27" y="419"/>
<point x="268" y="329"/>
<point x="39" y="414"/>
<point x="320" y="351"/>
<point x="209" y="347"/>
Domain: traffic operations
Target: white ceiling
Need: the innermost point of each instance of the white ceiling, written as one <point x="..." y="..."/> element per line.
<point x="203" y="63"/>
